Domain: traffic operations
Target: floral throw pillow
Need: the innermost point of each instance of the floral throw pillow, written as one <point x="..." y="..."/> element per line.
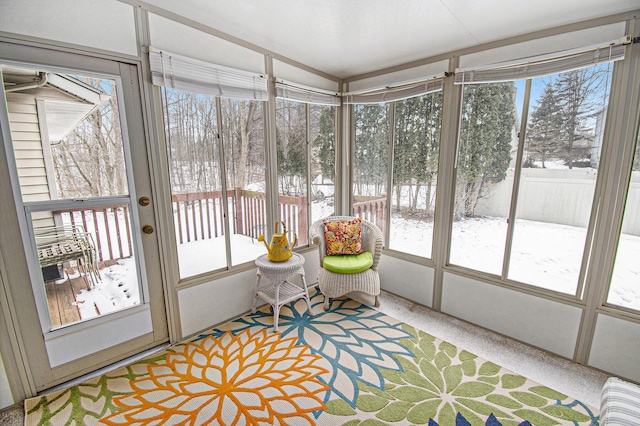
<point x="343" y="237"/>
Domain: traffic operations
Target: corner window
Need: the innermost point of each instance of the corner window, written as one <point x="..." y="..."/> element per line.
<point x="625" y="282"/>
<point x="323" y="160"/>
<point x="371" y="162"/>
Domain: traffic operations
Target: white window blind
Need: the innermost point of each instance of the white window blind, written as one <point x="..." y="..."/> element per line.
<point x="394" y="94"/>
<point x="295" y="92"/>
<point x="181" y="72"/>
<point x="540" y="68"/>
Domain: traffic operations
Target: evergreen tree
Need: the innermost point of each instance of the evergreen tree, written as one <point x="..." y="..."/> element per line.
<point x="291" y="139"/>
<point x="416" y="147"/>
<point x="484" y="152"/>
<point x="544" y="131"/>
<point x="325" y="142"/>
<point x="370" y="154"/>
<point x="579" y="93"/>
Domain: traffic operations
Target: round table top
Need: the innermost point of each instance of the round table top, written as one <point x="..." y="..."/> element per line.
<point x="288" y="267"/>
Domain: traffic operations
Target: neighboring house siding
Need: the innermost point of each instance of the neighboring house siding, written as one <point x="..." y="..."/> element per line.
<point x="30" y="159"/>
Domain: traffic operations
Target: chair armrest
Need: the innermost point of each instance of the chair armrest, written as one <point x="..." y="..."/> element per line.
<point x="316" y="236"/>
<point x="372" y="241"/>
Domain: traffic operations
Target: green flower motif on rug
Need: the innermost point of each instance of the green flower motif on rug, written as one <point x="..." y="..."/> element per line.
<point x="441" y="382"/>
<point x="91" y="400"/>
<point x="370" y="369"/>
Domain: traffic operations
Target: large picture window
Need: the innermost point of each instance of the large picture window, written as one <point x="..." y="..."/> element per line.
<point x="199" y="158"/>
<point x="487" y="142"/>
<point x="625" y="282"/>
<point x="292" y="147"/>
<point x="538" y="237"/>
<point x="416" y="148"/>
<point x="371" y="162"/>
<point x="323" y="160"/>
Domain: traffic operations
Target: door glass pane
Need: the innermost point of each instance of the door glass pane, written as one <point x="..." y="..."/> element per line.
<point x="87" y="262"/>
<point x="625" y="282"/>
<point x="415" y="173"/>
<point x="486" y="155"/>
<point x="69" y="151"/>
<point x="323" y="158"/>
<point x="243" y="139"/>
<point x="560" y="166"/>
<point x="291" y="138"/>
<point x="371" y="163"/>
<point x="196" y="181"/>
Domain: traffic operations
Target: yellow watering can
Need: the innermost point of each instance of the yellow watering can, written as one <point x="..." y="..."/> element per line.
<point x="279" y="250"/>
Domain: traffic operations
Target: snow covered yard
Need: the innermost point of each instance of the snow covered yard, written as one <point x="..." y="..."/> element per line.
<point x="543" y="254"/>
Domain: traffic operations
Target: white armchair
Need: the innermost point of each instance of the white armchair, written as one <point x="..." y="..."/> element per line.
<point x="333" y="284"/>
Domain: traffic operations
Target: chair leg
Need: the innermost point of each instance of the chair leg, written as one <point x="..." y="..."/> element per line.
<point x="306" y="294"/>
<point x="255" y="293"/>
<point x="276" y="309"/>
<point x="326" y="303"/>
<point x="377" y="301"/>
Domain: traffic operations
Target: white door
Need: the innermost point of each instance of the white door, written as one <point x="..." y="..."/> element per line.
<point x="76" y="154"/>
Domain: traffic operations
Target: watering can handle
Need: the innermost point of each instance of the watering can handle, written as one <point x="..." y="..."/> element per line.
<point x="284" y="227"/>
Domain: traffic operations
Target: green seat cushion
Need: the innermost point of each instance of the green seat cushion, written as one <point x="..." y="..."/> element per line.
<point x="348" y="263"/>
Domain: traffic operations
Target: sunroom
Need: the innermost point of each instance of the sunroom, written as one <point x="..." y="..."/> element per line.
<point x="502" y="172"/>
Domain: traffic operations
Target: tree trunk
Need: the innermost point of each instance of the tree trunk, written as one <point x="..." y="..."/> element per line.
<point x="245" y="123"/>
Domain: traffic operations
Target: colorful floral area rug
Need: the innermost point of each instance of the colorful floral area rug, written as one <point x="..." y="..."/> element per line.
<point x="351" y="365"/>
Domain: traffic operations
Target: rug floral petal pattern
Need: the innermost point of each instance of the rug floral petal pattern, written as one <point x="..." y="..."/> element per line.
<point x="351" y="365"/>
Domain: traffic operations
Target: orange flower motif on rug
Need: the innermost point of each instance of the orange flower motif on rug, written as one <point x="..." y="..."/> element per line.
<point x="250" y="378"/>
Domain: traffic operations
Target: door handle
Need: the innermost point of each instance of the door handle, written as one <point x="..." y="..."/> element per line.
<point x="147" y="229"/>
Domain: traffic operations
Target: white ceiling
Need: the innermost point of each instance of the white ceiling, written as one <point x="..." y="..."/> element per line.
<point x="350" y="37"/>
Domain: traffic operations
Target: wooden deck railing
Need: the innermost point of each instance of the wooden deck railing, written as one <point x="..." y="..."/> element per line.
<point x="110" y="227"/>
<point x="200" y="216"/>
<point x="373" y="209"/>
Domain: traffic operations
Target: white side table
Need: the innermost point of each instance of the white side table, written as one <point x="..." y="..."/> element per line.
<point x="280" y="291"/>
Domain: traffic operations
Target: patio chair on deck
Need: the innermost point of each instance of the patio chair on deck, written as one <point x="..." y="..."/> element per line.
<point x="343" y="274"/>
<point x="59" y="244"/>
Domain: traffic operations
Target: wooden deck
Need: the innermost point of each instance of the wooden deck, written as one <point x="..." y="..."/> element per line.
<point x="61" y="297"/>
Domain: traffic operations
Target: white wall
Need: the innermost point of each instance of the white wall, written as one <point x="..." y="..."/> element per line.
<point x="409" y="280"/>
<point x="183" y="40"/>
<point x="6" y="397"/>
<point x="615" y="347"/>
<point x="206" y="305"/>
<point x="535" y="320"/>
<point x="100" y="24"/>
<point x="284" y="71"/>
<point x="400" y="77"/>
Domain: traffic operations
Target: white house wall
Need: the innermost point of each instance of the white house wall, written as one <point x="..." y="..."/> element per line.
<point x="99" y="24"/>
<point x="178" y="38"/>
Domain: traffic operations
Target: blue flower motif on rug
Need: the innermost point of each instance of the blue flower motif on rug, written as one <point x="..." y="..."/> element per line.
<point x="355" y="340"/>
<point x="491" y="421"/>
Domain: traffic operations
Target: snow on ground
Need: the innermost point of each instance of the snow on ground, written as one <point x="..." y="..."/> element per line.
<point x="543" y="254"/>
<point x="118" y="289"/>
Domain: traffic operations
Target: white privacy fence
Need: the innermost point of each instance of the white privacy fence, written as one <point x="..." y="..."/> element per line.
<point x="560" y="196"/>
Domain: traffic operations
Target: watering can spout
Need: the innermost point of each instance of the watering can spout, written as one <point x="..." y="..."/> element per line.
<point x="279" y="250"/>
